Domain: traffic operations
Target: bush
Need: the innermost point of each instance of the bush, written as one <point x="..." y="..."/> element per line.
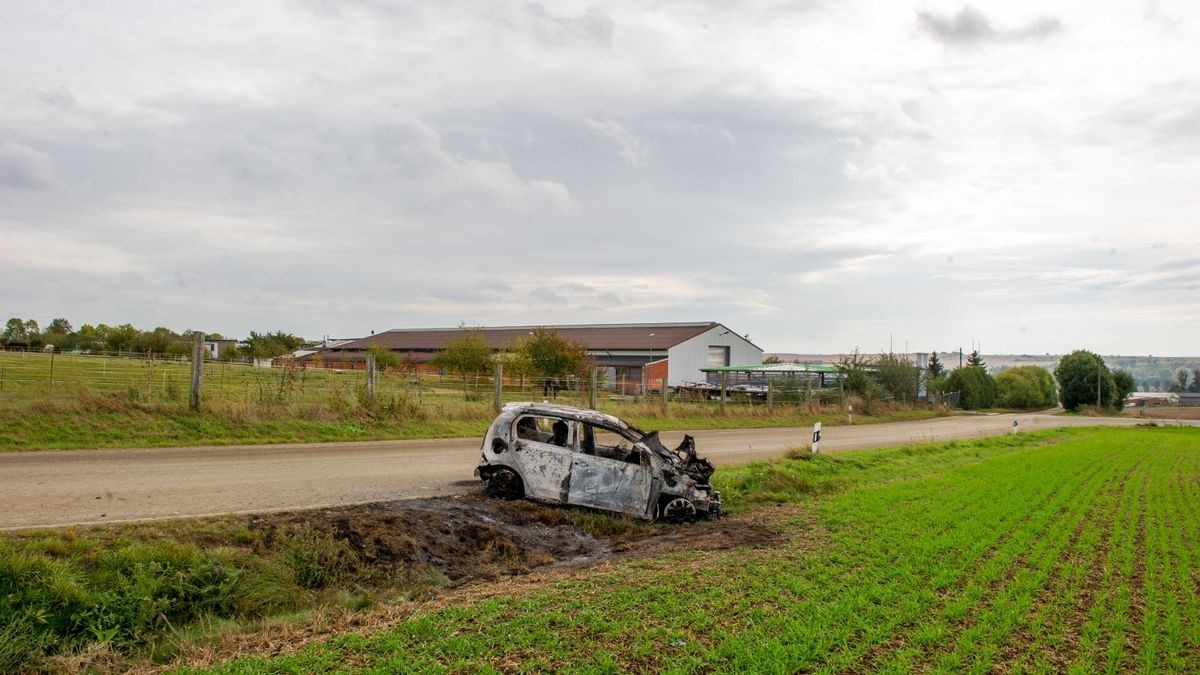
<point x="1026" y="387"/>
<point x="978" y="389"/>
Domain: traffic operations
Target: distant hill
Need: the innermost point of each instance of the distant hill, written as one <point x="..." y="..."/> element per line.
<point x="1151" y="373"/>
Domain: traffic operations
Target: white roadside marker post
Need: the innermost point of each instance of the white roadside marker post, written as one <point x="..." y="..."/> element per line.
<point x="816" y="439"/>
<point x="1014" y="427"/>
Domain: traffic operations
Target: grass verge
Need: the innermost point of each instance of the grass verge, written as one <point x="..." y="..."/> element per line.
<point x="103" y="421"/>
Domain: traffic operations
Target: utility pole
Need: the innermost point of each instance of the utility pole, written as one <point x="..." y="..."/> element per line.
<point x="1098" y="374"/>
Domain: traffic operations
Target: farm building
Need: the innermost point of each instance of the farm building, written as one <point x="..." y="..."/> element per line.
<point x="650" y="353"/>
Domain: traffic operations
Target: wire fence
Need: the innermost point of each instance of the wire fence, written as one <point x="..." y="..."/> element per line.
<point x="35" y="375"/>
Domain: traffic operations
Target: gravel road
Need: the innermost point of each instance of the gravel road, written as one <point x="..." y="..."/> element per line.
<point x="49" y="489"/>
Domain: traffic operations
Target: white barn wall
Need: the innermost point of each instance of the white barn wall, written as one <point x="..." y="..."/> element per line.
<point x="688" y="357"/>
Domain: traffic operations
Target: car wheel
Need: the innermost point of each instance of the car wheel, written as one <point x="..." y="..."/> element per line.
<point x="505" y="484"/>
<point x="679" y="510"/>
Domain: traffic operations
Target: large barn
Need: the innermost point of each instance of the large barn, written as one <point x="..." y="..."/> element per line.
<point x="649" y="353"/>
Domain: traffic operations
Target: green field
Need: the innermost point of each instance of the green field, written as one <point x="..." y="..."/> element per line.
<point x="1070" y="550"/>
<point x="107" y="402"/>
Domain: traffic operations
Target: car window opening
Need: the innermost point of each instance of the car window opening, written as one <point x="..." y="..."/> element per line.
<point x="603" y="442"/>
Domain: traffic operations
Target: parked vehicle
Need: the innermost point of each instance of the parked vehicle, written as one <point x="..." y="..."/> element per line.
<point x="566" y="455"/>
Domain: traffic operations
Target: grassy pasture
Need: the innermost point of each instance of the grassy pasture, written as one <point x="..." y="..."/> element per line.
<point x="104" y="402"/>
<point x="1072" y="550"/>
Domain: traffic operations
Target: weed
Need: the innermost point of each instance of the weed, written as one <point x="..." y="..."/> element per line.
<point x="316" y="559"/>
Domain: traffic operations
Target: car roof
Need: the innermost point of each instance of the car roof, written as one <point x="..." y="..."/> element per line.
<point x="567" y="412"/>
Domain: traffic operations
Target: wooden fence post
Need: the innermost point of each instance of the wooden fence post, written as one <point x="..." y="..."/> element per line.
<point x="770" y="395"/>
<point x="498" y="403"/>
<point x="197" y="368"/>
<point x="592" y="388"/>
<point x="662" y="385"/>
<point x="51" y="370"/>
<point x="371" y="379"/>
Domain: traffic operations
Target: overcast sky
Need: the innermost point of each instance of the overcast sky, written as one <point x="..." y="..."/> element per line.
<point x="820" y="175"/>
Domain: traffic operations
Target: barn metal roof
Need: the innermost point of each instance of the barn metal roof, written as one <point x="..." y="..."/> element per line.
<point x="622" y="336"/>
<point x="775" y="368"/>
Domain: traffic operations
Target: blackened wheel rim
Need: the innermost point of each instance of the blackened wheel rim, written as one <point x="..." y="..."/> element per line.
<point x="679" y="510"/>
<point x="505" y="484"/>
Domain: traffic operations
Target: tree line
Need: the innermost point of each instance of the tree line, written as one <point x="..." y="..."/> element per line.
<point x="1081" y="378"/>
<point x="91" y="339"/>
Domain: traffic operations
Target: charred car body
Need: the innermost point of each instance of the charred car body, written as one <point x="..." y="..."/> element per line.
<point x="570" y="455"/>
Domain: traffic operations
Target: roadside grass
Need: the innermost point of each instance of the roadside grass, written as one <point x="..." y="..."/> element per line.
<point x="91" y="420"/>
<point x="1064" y="550"/>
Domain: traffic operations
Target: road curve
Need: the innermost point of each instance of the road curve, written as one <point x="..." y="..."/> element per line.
<point x="81" y="487"/>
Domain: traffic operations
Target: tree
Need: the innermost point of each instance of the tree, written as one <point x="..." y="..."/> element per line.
<point x="976" y="388"/>
<point x="935" y="369"/>
<point x="1084" y="379"/>
<point x="852" y="369"/>
<point x="384" y="357"/>
<point x="59" y="333"/>
<point x="14" y="331"/>
<point x="975" y="360"/>
<point x="773" y="358"/>
<point x="468" y="355"/>
<point x="156" y="341"/>
<point x="546" y="354"/>
<point x="271" y="345"/>
<point x="1180" y="384"/>
<point x="897" y="376"/>
<point x="1195" y="388"/>
<point x="59" y="326"/>
<point x="1123" y="386"/>
<point x="1026" y="387"/>
<point x="89" y="338"/>
<point x="119" y="338"/>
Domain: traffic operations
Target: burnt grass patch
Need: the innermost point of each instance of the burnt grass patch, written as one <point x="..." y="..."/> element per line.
<point x="472" y="537"/>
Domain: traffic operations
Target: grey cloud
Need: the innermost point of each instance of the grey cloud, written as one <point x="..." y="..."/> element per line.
<point x="547" y="296"/>
<point x="593" y="25"/>
<point x="59" y="97"/>
<point x="475" y="292"/>
<point x="27" y="168"/>
<point x="971" y="27"/>
<point x="1167" y="117"/>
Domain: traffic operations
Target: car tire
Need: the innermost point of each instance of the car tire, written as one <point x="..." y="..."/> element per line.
<point x="505" y="484"/>
<point x="678" y="510"/>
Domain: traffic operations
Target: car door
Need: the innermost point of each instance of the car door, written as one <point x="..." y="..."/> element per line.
<point x="546" y="467"/>
<point x="612" y="485"/>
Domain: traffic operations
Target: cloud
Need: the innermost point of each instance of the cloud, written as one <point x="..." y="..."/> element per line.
<point x="594" y="25"/>
<point x="971" y="27"/>
<point x="633" y="150"/>
<point x="27" y="168"/>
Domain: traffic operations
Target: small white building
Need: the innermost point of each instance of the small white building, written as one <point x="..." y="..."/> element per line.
<point x="213" y="348"/>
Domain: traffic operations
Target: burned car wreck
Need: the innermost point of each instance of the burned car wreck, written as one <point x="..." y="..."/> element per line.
<point x="568" y="455"/>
